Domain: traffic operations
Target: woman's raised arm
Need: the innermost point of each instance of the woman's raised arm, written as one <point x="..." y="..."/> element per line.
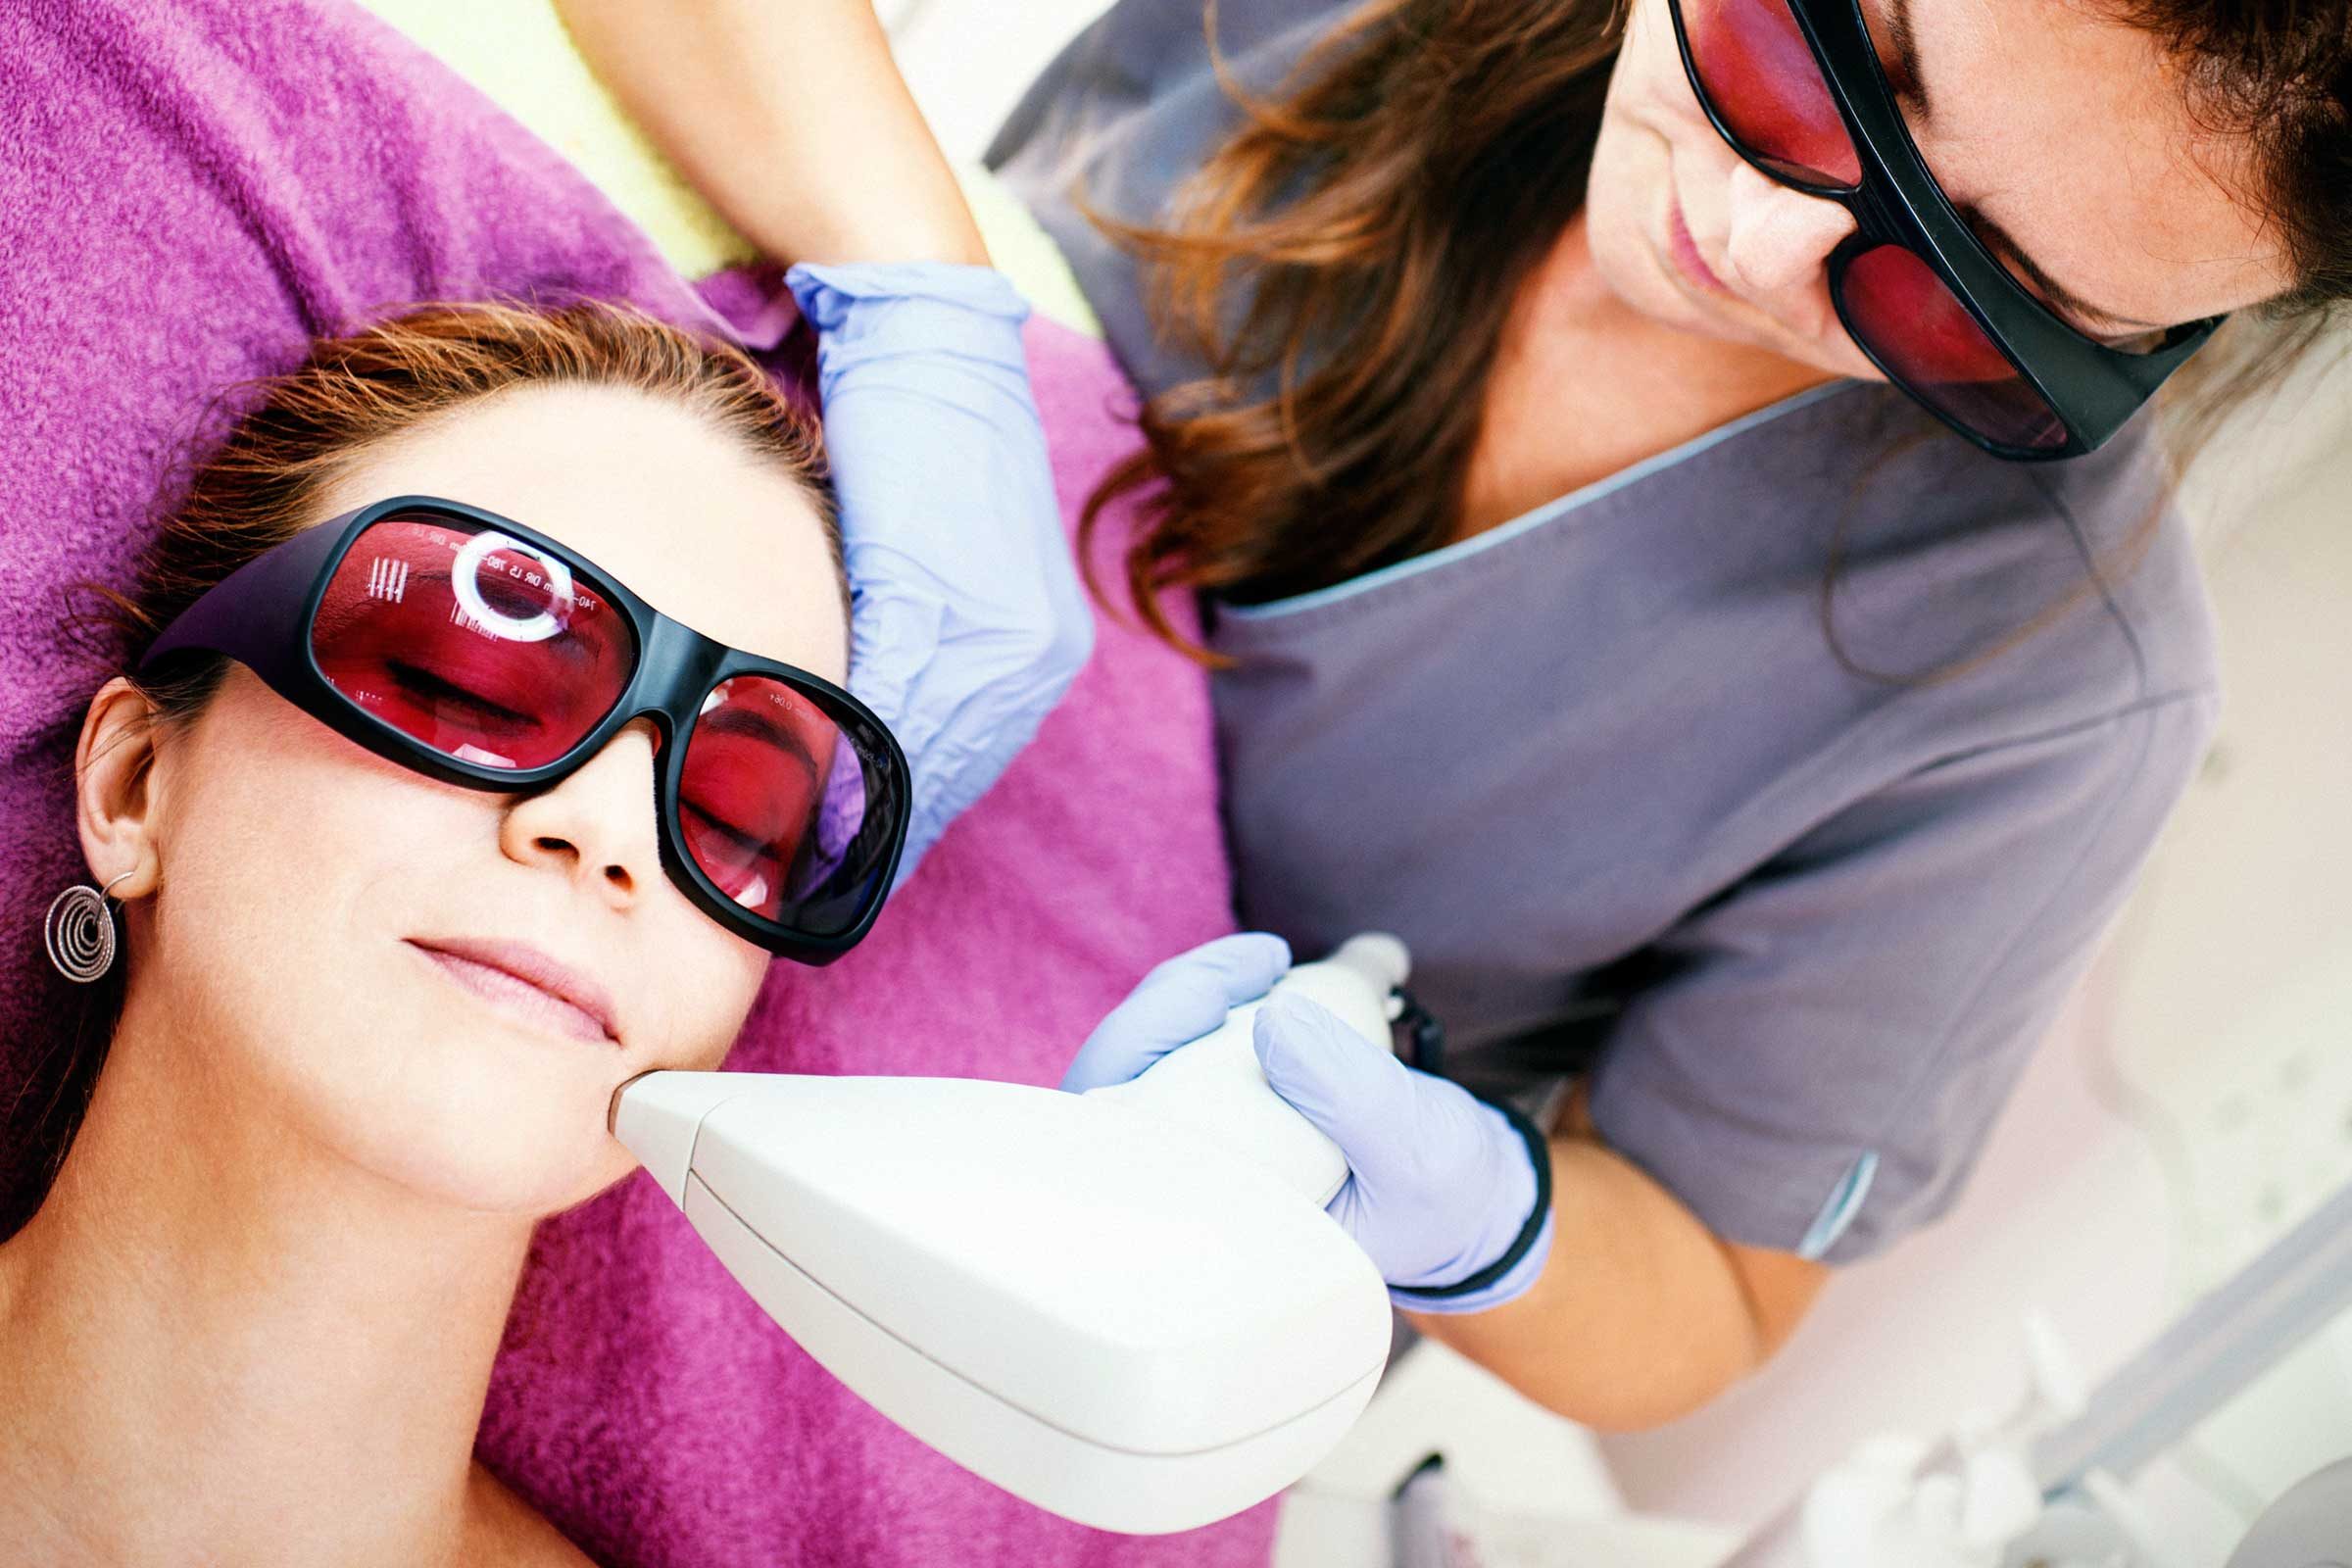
<point x="790" y="119"/>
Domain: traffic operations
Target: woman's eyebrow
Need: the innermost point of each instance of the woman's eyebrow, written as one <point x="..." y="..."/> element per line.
<point x="582" y="651"/>
<point x="1905" y="77"/>
<point x="755" y="725"/>
<point x="1910" y="86"/>
<point x="2056" y="293"/>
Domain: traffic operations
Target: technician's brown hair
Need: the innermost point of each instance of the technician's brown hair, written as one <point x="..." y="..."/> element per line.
<point x="1360" y="239"/>
<point x="266" y="480"/>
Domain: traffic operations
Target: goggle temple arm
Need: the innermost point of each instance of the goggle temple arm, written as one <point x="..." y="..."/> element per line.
<point x="254" y="614"/>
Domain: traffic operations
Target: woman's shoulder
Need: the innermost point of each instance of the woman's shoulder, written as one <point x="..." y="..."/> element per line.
<point x="2060" y="590"/>
<point x="500" y="1528"/>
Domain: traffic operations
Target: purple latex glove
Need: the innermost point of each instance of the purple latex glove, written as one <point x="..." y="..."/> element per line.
<point x="1175" y="1004"/>
<point x="967" y="620"/>
<point x="1439" y="1183"/>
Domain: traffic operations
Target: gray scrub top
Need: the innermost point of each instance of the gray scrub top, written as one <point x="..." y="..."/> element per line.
<point x="1801" y="897"/>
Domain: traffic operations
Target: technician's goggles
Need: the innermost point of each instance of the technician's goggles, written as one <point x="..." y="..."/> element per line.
<point x="1796" y="89"/>
<point x="479" y="651"/>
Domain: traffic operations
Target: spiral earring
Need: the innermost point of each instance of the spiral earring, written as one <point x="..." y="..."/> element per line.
<point x="79" y="931"/>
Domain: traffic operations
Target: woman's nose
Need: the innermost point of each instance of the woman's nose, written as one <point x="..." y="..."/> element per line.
<point x="1780" y="239"/>
<point x="595" y="825"/>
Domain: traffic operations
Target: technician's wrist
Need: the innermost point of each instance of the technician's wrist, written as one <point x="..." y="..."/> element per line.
<point x="1507" y="1255"/>
<point x="899" y="301"/>
<point x="1515" y="1280"/>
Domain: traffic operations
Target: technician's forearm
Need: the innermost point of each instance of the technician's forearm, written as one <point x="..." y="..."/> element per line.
<point x="1641" y="1314"/>
<point x="790" y="119"/>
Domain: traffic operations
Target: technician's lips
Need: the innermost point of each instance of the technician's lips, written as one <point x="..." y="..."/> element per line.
<point x="528" y="982"/>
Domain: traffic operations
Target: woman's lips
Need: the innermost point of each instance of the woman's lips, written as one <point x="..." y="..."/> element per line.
<point x="520" y="998"/>
<point x="1684" y="251"/>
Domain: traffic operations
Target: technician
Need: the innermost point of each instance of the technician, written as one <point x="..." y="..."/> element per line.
<point x="1682" y="553"/>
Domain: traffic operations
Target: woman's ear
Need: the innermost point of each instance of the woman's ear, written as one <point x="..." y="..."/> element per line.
<point x="116" y="783"/>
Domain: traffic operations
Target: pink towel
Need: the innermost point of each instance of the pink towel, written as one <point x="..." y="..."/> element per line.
<point x="188" y="192"/>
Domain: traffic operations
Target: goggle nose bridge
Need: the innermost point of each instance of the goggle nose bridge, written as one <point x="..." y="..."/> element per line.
<point x="676" y="671"/>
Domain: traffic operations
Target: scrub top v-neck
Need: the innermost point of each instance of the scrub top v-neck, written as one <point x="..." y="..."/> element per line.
<point x="1785" y="781"/>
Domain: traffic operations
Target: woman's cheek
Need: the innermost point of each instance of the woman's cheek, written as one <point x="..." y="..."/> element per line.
<point x="694" y="992"/>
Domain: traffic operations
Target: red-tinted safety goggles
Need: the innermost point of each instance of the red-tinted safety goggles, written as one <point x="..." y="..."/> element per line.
<point x="1796" y="86"/>
<point x="479" y="651"/>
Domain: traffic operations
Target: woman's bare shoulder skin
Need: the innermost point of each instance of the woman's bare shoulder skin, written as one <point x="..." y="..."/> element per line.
<point x="502" y="1528"/>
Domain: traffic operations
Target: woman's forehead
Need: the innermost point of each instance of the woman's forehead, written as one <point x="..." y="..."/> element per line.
<point x="2073" y="133"/>
<point x="679" y="511"/>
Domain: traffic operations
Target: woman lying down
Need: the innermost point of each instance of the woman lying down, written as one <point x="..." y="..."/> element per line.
<point x="481" y="741"/>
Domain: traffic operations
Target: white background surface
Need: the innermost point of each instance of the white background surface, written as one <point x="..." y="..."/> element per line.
<point x="968" y="61"/>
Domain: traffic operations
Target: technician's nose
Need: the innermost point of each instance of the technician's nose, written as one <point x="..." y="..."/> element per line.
<point x="1780" y="239"/>
<point x="595" y="825"/>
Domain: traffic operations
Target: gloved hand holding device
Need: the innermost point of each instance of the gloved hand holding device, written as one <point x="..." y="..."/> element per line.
<point x="1449" y="1196"/>
<point x="967" y="622"/>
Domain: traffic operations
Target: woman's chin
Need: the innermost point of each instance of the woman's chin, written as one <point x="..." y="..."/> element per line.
<point x="525" y="1173"/>
<point x="483" y="1119"/>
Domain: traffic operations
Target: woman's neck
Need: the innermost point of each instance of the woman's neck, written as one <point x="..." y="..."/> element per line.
<point x="221" y="1343"/>
<point x="1583" y="386"/>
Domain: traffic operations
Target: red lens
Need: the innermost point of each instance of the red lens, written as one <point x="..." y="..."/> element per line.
<point x="1922" y="335"/>
<point x="1761" y="78"/>
<point x="471" y="642"/>
<point x="772" y="792"/>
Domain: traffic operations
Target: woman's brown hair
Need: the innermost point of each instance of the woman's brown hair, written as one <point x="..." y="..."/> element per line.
<point x="264" y="483"/>
<point x="1358" y="244"/>
<point x="266" y="480"/>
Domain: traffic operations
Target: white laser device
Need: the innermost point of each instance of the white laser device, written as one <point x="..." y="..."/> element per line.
<point x="1126" y="1308"/>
